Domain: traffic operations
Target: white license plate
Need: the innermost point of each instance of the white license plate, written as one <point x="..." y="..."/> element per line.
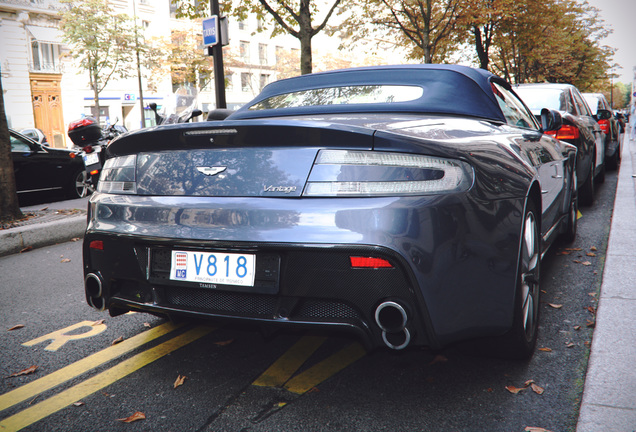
<point x="91" y="158"/>
<point x="213" y="268"/>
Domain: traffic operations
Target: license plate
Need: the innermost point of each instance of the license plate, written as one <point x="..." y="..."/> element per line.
<point x="91" y="158"/>
<point x="213" y="268"/>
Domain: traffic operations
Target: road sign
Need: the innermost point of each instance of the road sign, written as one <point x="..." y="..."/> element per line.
<point x="210" y="31"/>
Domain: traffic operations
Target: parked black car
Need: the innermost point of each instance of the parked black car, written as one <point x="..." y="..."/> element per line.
<point x="609" y="124"/>
<point x="579" y="128"/>
<point x="40" y="168"/>
<point x="408" y="205"/>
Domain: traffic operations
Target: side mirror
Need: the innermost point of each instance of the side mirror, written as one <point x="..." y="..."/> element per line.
<point x="551" y="120"/>
<point x="603" y="114"/>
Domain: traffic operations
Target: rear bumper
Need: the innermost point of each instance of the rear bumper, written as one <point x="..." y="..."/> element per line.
<point x="454" y="262"/>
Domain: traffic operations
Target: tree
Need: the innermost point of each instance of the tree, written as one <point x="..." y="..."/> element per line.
<point x="295" y="19"/>
<point x="427" y="25"/>
<point x="9" y="206"/>
<point x="103" y="42"/>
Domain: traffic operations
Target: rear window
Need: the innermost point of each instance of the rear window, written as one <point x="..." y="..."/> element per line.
<point x="346" y="95"/>
<point x="536" y="99"/>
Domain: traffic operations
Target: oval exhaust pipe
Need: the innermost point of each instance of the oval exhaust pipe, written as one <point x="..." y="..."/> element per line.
<point x="397" y="341"/>
<point x="391" y="317"/>
<point x="94" y="289"/>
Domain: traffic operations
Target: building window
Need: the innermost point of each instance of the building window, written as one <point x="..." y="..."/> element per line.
<point x="242" y="25"/>
<point x="246" y="81"/>
<point x="245" y="51"/>
<point x="229" y="81"/>
<point x="262" y="54"/>
<point x="264" y="80"/>
<point x="46" y="57"/>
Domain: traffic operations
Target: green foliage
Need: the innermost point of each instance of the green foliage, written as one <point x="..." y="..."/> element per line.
<point x="101" y="41"/>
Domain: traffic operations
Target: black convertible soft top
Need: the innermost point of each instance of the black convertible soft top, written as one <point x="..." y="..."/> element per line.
<point x="446" y="89"/>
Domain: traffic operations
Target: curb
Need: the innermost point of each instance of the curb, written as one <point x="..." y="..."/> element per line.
<point x="14" y="240"/>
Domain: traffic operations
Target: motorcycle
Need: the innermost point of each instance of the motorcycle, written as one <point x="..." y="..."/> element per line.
<point x="90" y="139"/>
<point x="179" y="107"/>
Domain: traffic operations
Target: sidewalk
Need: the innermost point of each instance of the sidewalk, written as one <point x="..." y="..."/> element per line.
<point x="45" y="224"/>
<point x="609" y="397"/>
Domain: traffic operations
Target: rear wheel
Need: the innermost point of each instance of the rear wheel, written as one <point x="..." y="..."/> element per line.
<point x="587" y="190"/>
<point x="521" y="339"/>
<point x="614" y="161"/>
<point x="569" y="235"/>
<point x="79" y="187"/>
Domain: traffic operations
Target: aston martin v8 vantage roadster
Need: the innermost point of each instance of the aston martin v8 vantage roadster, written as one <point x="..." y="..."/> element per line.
<point x="409" y="205"/>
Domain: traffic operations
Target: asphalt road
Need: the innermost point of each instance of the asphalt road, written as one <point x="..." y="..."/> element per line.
<point x="239" y="379"/>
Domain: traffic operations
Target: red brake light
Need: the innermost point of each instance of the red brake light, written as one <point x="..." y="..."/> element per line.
<point x="94" y="172"/>
<point x="369" y="262"/>
<point x="79" y="123"/>
<point x="605" y="125"/>
<point x="97" y="244"/>
<point x="72" y="155"/>
<point x="567" y="132"/>
<point x="88" y="149"/>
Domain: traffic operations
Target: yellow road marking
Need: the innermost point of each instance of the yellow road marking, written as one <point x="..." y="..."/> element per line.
<point x="283" y="368"/>
<point x="325" y="369"/>
<point x="579" y="215"/>
<point x="71" y="371"/>
<point x="67" y="397"/>
<point x="60" y="337"/>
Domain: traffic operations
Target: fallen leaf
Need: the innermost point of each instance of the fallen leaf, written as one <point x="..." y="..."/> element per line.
<point x="78" y="403"/>
<point x="527" y="383"/>
<point x="544" y="291"/>
<point x="280" y="404"/>
<point x="438" y="359"/>
<point x="147" y="325"/>
<point x="75" y="239"/>
<point x="537" y="389"/>
<point x="535" y="429"/>
<point x="96" y="323"/>
<point x="224" y="343"/>
<point x="591" y="254"/>
<point x="556" y="306"/>
<point x="514" y="390"/>
<point x="577" y="261"/>
<point x="591" y="323"/>
<point x="569" y="344"/>
<point x="27" y="249"/>
<point x="593" y="248"/>
<point x="180" y="380"/>
<point x="587" y="343"/>
<point x="586" y="263"/>
<point x="577" y="327"/>
<point x="65" y="260"/>
<point x="593" y="294"/>
<point x="591" y="310"/>
<point x="118" y="340"/>
<point x="136" y="416"/>
<point x="563" y="253"/>
<point x="545" y="349"/>
<point x="573" y="249"/>
<point x="26" y="371"/>
<point x="16" y="327"/>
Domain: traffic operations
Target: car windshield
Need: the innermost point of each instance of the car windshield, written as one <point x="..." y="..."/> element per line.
<point x="536" y="99"/>
<point x="346" y="95"/>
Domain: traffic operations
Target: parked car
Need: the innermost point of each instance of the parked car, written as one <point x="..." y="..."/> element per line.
<point x="409" y="205"/>
<point x="39" y="168"/>
<point x="610" y="126"/>
<point x="36" y="135"/>
<point x="580" y="128"/>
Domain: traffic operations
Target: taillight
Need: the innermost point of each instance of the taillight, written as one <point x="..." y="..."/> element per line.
<point x="566" y="132"/>
<point x="72" y="155"/>
<point x="369" y="262"/>
<point x="605" y="125"/>
<point x="79" y="123"/>
<point x="96" y="244"/>
<point x="87" y="149"/>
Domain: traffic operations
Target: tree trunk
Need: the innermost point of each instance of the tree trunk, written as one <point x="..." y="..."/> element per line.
<point x="305" y="35"/>
<point x="95" y="96"/>
<point x="482" y="53"/>
<point x="9" y="206"/>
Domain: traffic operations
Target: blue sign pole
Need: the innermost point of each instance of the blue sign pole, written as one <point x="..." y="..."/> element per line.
<point x="217" y="52"/>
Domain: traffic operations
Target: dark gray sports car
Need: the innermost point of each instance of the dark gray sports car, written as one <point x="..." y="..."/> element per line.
<point x="410" y="205"/>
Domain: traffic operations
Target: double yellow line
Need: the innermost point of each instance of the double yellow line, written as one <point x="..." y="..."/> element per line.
<point x="76" y="393"/>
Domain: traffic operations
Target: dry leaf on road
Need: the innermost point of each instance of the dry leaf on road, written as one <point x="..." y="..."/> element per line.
<point x="555" y="306"/>
<point x="535" y="429"/>
<point x="180" y="380"/>
<point x="26" y="371"/>
<point x="118" y="340"/>
<point x="514" y="390"/>
<point x="16" y="327"/>
<point x="537" y="389"/>
<point x="65" y="260"/>
<point x="545" y="349"/>
<point x="224" y="343"/>
<point x="136" y="416"/>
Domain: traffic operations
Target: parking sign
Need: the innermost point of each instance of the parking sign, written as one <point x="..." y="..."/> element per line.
<point x="210" y="31"/>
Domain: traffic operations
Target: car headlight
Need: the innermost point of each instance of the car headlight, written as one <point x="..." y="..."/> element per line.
<point x="369" y="173"/>
<point x="118" y="175"/>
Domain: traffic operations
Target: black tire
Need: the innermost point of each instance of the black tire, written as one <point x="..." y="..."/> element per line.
<point x="614" y="161"/>
<point x="600" y="177"/>
<point x="521" y="339"/>
<point x="586" y="194"/>
<point x="79" y="186"/>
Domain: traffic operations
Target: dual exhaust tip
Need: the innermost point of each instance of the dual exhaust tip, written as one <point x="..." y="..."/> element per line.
<point x="392" y="318"/>
<point x="94" y="289"/>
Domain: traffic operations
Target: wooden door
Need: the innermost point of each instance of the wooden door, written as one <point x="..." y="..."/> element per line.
<point x="47" y="107"/>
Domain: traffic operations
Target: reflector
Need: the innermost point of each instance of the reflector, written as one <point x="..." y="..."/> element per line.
<point x="369" y="262"/>
<point x="97" y="244"/>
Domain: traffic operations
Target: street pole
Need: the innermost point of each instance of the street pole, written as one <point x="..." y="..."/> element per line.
<point x="141" y="93"/>
<point x="217" y="52"/>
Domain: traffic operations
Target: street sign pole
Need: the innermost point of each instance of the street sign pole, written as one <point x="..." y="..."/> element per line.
<point x="216" y="51"/>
